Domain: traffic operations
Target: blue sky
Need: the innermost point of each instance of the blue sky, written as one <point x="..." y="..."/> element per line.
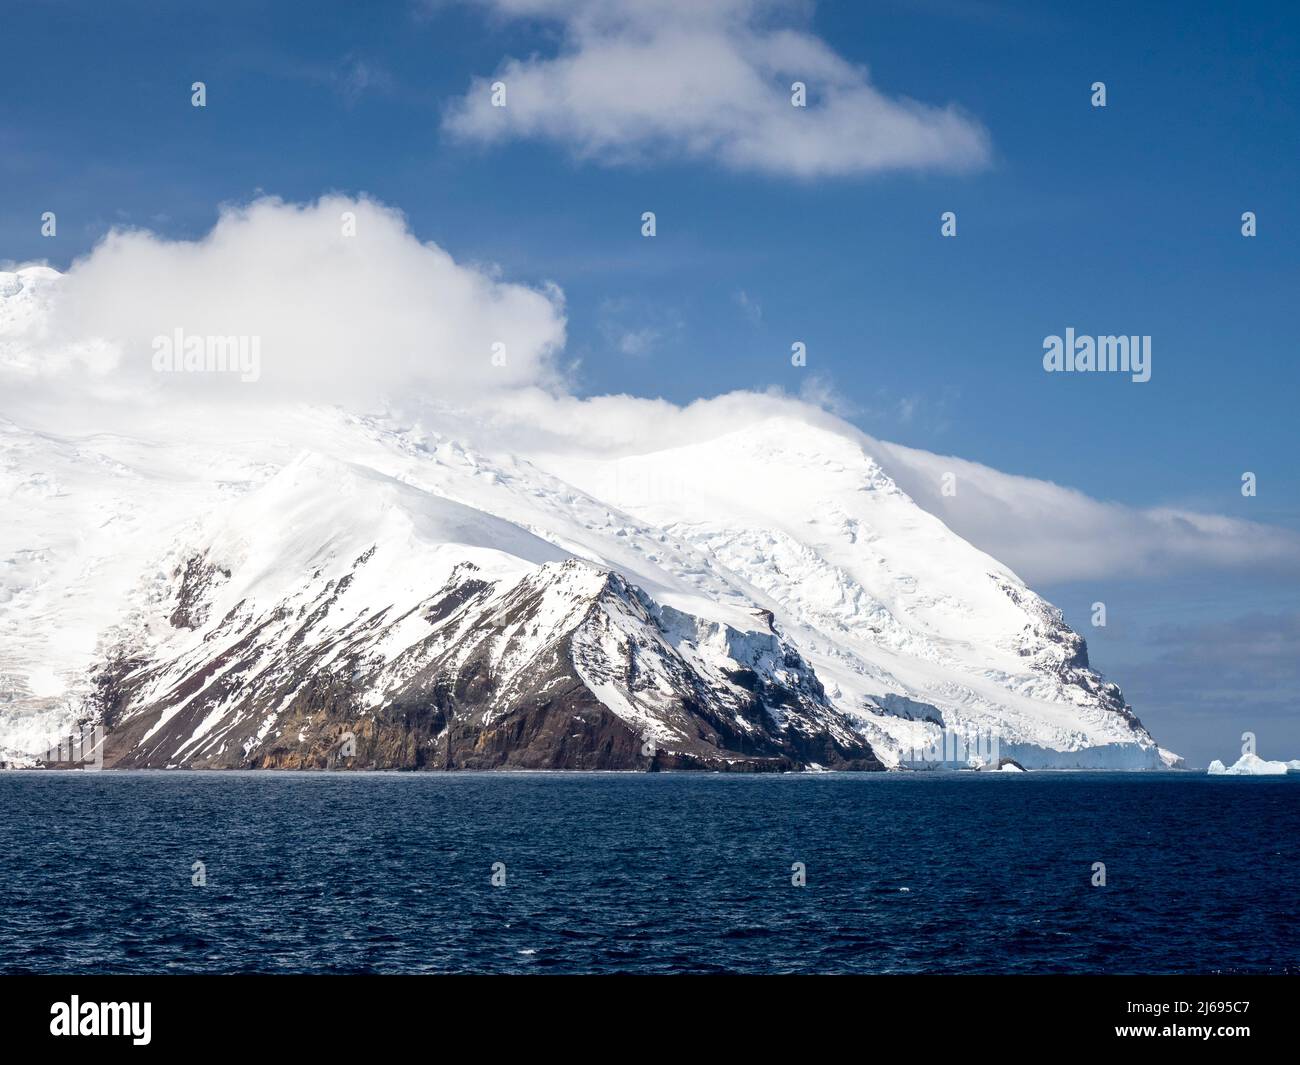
<point x="1117" y="220"/>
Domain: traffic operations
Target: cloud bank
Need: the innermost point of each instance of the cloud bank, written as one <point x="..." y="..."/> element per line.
<point x="638" y="80"/>
<point x="1049" y="533"/>
<point x="1045" y="532"/>
<point x="383" y="320"/>
<point x="347" y="306"/>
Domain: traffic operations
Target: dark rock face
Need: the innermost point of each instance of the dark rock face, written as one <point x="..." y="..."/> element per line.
<point x="569" y="668"/>
<point x="196" y="578"/>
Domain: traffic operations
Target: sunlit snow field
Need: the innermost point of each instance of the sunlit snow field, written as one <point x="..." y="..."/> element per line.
<point x="647" y="873"/>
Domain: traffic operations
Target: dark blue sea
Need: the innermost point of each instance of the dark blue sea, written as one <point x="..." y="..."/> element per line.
<point x="392" y="873"/>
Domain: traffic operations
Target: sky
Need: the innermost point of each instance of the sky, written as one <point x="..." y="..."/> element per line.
<point x="776" y="226"/>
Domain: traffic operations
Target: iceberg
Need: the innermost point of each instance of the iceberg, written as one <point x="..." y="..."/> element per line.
<point x="1250" y="765"/>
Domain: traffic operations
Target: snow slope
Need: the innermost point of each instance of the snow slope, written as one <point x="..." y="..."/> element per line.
<point x="905" y="622"/>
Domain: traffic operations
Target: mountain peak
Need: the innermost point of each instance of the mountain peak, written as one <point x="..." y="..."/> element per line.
<point x="766" y="596"/>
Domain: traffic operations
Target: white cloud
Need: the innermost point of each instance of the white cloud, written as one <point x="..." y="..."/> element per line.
<point x="341" y="319"/>
<point x="636" y="326"/>
<point x="637" y="342"/>
<point x="635" y="80"/>
<point x="1049" y="533"/>
<point x="384" y="319"/>
<point x="1045" y="532"/>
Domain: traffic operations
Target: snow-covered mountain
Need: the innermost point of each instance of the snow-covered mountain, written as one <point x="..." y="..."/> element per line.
<point x="908" y="625"/>
<point x="306" y="587"/>
<point x="336" y="601"/>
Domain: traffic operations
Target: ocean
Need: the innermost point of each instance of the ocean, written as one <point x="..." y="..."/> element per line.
<point x="660" y="873"/>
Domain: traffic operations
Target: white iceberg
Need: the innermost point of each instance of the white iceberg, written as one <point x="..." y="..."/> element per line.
<point x="1250" y="765"/>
